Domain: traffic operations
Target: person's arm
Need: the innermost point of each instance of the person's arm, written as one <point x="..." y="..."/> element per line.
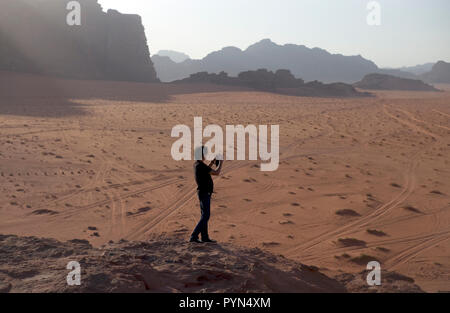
<point x="216" y="171"/>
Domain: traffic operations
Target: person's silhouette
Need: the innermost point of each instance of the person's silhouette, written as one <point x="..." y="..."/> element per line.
<point x="205" y="188"/>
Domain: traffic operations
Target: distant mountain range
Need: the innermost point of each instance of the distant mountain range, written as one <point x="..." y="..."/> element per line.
<point x="112" y="46"/>
<point x="307" y="63"/>
<point x="418" y="69"/>
<point x="175" y="56"/>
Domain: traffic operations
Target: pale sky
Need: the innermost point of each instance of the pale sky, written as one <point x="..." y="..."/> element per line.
<point x="411" y="32"/>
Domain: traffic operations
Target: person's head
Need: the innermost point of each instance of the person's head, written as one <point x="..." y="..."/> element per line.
<point x="200" y="153"/>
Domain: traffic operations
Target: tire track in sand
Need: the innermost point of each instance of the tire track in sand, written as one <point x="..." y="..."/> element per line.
<point x="415" y="239"/>
<point x="411" y="252"/>
<point x="165" y="213"/>
<point x="408" y="188"/>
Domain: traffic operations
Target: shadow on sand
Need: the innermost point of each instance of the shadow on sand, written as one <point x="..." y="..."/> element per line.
<point x="41" y="96"/>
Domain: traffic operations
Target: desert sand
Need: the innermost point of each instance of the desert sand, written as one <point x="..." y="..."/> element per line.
<point x="359" y="179"/>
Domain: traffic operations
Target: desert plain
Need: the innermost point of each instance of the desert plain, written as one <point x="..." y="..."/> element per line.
<point x="359" y="179"/>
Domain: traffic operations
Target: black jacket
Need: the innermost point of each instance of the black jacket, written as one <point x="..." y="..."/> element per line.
<point x="203" y="177"/>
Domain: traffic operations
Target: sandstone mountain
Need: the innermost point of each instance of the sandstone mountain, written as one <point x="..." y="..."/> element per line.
<point x="418" y="69"/>
<point x="35" y="37"/>
<point x="440" y="73"/>
<point x="30" y="264"/>
<point x="433" y="73"/>
<point x="175" y="56"/>
<point x="378" y="81"/>
<point x="309" y="64"/>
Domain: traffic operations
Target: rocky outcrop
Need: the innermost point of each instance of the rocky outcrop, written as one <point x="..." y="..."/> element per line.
<point x="397" y="72"/>
<point x="377" y="81"/>
<point x="310" y="64"/>
<point x="440" y="73"/>
<point x="35" y="37"/>
<point x="30" y="264"/>
<point x="282" y="81"/>
<point x="175" y="56"/>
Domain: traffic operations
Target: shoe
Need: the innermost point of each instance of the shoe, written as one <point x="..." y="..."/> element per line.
<point x="195" y="240"/>
<point x="209" y="240"/>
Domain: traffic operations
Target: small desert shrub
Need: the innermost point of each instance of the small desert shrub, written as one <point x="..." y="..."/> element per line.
<point x="375" y="232"/>
<point x="363" y="259"/>
<point x="347" y="212"/>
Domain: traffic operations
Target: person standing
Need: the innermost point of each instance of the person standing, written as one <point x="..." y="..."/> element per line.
<point x="205" y="188"/>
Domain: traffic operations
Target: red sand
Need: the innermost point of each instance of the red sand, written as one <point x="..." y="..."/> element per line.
<point x="92" y="160"/>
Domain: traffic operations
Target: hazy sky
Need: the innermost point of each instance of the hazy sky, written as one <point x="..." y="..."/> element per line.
<point x="411" y="31"/>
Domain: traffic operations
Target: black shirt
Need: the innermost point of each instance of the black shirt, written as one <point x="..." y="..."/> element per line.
<point x="203" y="177"/>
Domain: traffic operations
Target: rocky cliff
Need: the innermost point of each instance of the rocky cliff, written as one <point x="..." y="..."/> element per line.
<point x="29" y="264"/>
<point x="35" y="37"/>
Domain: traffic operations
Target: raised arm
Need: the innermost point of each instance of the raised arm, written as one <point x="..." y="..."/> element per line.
<point x="216" y="171"/>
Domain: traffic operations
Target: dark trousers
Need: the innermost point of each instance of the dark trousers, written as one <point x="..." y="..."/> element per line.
<point x="202" y="226"/>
